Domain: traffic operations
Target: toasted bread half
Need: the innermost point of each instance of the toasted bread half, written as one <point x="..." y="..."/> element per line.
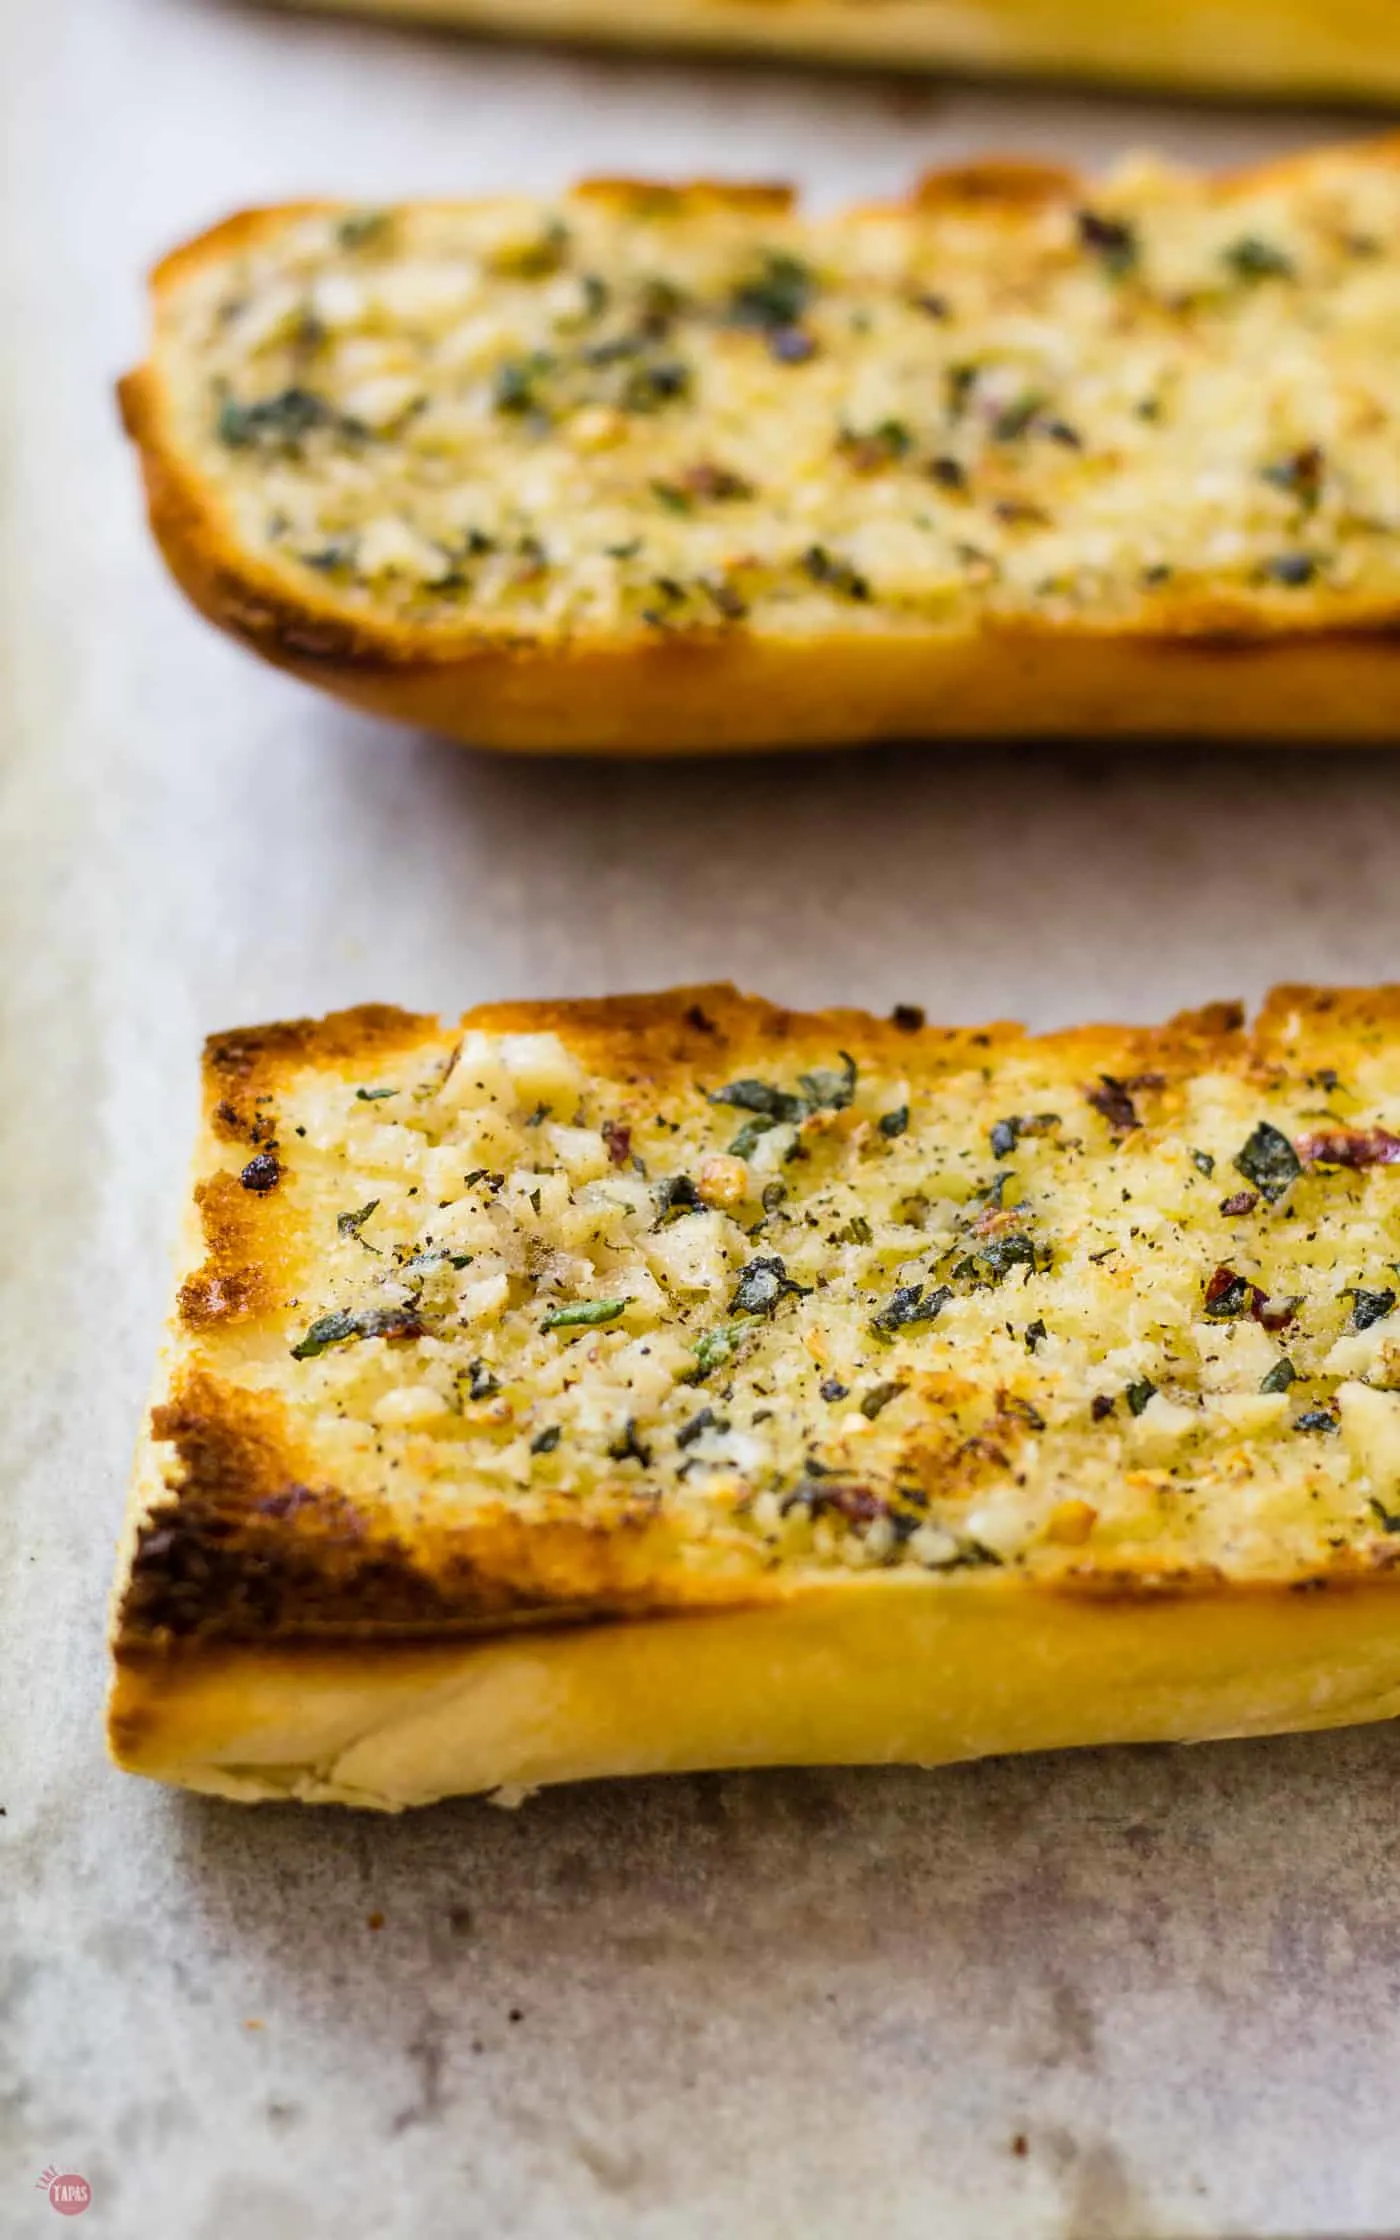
<point x="677" y="1381"/>
<point x="650" y="468"/>
<point x="1339" y="48"/>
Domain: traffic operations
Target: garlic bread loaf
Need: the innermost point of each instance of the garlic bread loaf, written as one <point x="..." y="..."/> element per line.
<point x="679" y="1381"/>
<point x="1340" y="48"/>
<point x="649" y="468"/>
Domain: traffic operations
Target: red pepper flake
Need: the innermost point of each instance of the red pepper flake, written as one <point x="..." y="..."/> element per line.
<point x="707" y="480"/>
<point x="1111" y="1098"/>
<point x="1241" y="1201"/>
<point x="1229" y="1293"/>
<point x="1350" y="1147"/>
<point x="858" y="1504"/>
<point x="619" y="1142"/>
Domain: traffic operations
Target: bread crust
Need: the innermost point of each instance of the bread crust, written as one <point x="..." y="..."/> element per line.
<point x="1307" y="666"/>
<point x="1341" y="49"/>
<point x="274" y="1637"/>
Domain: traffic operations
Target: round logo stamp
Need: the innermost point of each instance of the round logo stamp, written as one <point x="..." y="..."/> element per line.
<point x="68" y="2193"/>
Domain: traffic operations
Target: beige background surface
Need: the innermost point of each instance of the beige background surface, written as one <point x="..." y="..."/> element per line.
<point x="815" y="2005"/>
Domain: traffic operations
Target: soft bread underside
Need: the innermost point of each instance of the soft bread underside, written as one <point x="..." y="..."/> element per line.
<point x="885" y="1672"/>
<point x="1342" y="48"/>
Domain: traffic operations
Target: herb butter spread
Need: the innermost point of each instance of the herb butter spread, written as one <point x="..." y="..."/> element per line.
<point x="654" y="411"/>
<point x="820" y="1292"/>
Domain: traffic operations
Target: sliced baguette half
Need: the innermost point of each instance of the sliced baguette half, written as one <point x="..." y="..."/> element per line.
<point x="1342" y="49"/>
<point x="650" y="468"/>
<point x="679" y="1381"/>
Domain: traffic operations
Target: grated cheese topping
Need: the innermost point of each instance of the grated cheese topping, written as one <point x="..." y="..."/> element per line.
<point x="1000" y="1309"/>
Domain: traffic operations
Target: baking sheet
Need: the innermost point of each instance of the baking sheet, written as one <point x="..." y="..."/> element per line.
<point x="1135" y="1993"/>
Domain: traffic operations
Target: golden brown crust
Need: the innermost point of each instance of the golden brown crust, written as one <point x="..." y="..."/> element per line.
<point x="1279" y="669"/>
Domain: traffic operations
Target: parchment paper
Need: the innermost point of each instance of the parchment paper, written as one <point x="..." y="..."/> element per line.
<point x="1147" y="1993"/>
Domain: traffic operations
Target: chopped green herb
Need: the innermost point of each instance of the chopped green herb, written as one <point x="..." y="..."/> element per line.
<point x="373" y="1096"/>
<point x="1315" y="1419"/>
<point x="350" y="1224"/>
<point x="630" y="1447"/>
<point x="1137" y="1395"/>
<point x="279" y="423"/>
<point x="1291" y="569"/>
<point x="749" y="1095"/>
<point x="829" y="1089"/>
<point x="676" y="1193"/>
<point x="649" y="387"/>
<point x="1112" y="240"/>
<point x="715" y="1348"/>
<point x="878" y="1398"/>
<point x="1300" y="475"/>
<point x="1036" y="1334"/>
<point x="482" y="1385"/>
<point x="762" y="1284"/>
<point x="545" y="1442"/>
<point x="776" y="295"/>
<point x="1269" y="1161"/>
<point x="823" y="1090"/>
<point x="993" y="1264"/>
<point x="423" y="1263"/>
<point x="908" y="1303"/>
<point x="370" y="1322"/>
<point x="1227" y="1295"/>
<point x="746" y="1142"/>
<point x="360" y="228"/>
<point x="831" y="1388"/>
<point x="705" y="1420"/>
<point x="876" y="447"/>
<point x="1280" y="1377"/>
<point x="834" y="574"/>
<point x="516" y="386"/>
<point x="894" y="1123"/>
<point x="537" y="259"/>
<point x="1017" y="418"/>
<point x="584" y="1314"/>
<point x="1006" y="1134"/>
<point x="1251" y="258"/>
<point x="1370" y="1306"/>
<point x="1012" y="1404"/>
<point x="1203" y="1161"/>
<point x="1387" y="1519"/>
